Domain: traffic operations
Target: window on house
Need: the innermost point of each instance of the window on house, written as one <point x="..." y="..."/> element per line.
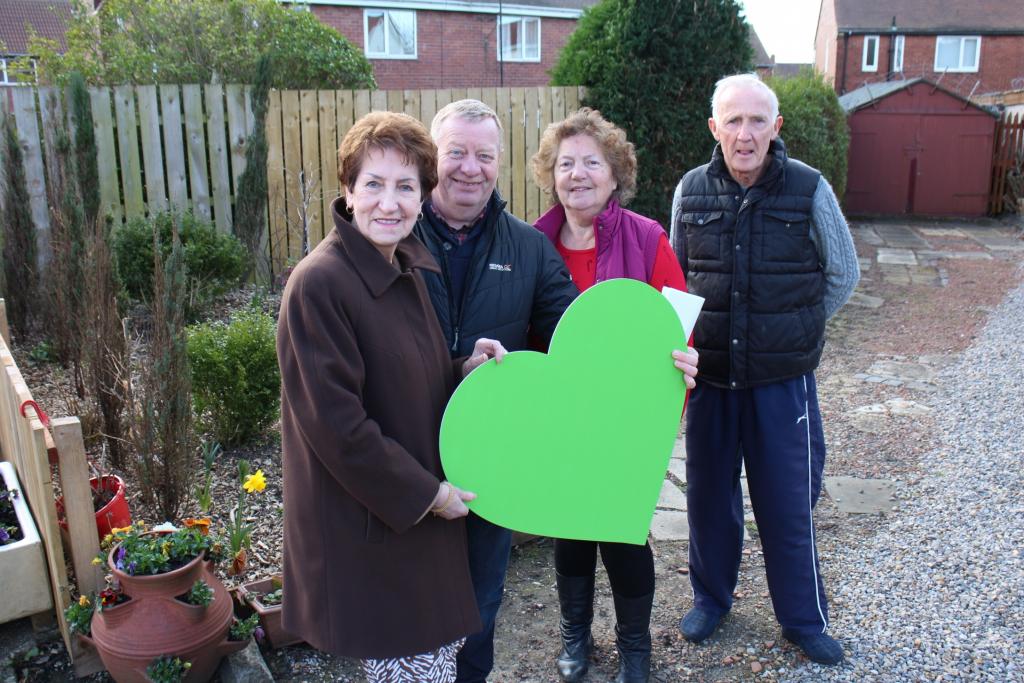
<point x="957" y="53"/>
<point x="11" y="74"/>
<point x="520" y="39"/>
<point x="870" y="60"/>
<point x="897" y="54"/>
<point x="389" y="33"/>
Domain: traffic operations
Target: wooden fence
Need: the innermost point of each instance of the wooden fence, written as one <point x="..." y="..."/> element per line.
<point x="26" y="442"/>
<point x="1007" y="165"/>
<point x="183" y="147"/>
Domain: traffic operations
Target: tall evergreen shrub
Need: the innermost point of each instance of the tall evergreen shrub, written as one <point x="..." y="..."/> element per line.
<point x="650" y="68"/>
<point x="814" y="125"/>
<point x="85" y="148"/>
<point x="19" y="237"/>
<point x="251" y="194"/>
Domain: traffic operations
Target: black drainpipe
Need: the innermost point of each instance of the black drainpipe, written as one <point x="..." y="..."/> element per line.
<point x="846" y="48"/>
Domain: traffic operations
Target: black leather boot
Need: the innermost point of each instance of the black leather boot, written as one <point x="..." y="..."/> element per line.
<point x="576" y="600"/>
<point x="633" y="637"/>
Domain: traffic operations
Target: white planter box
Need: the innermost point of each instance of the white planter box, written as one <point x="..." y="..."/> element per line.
<point x="24" y="581"/>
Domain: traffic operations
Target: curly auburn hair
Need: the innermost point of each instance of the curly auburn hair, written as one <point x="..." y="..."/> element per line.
<point x="618" y="151"/>
<point x="382" y="130"/>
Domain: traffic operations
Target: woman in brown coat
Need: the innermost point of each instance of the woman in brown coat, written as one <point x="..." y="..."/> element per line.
<point x="375" y="560"/>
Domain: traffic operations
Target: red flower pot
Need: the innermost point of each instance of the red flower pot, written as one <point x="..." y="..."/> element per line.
<point x="113" y="515"/>
<point x="152" y="623"/>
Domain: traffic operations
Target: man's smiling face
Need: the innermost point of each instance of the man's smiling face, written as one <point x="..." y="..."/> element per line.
<point x="745" y="127"/>
<point x="467" y="168"/>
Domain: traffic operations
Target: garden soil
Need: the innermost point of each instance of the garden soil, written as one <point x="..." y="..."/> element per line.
<point x="923" y="315"/>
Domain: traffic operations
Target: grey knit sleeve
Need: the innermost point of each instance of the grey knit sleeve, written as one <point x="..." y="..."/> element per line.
<point x="675" y="233"/>
<point x="831" y="235"/>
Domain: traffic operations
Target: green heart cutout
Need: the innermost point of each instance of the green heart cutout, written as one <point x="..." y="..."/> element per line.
<point x="574" y="443"/>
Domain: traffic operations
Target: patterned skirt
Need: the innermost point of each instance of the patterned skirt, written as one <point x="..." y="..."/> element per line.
<point x="430" y="667"/>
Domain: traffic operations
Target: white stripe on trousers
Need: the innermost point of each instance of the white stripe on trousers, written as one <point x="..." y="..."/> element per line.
<point x="810" y="507"/>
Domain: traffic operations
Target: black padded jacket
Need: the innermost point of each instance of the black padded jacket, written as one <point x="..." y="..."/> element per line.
<point x="517" y="284"/>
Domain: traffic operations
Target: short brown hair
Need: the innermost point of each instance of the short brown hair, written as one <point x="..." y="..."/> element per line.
<point x="619" y="152"/>
<point x="382" y="130"/>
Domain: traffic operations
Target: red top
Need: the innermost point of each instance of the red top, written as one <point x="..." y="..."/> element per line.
<point x="582" y="265"/>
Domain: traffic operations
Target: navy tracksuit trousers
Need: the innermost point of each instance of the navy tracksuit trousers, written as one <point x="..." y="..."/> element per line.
<point x="776" y="430"/>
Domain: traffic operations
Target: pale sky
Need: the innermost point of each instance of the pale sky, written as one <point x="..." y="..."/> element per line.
<point x="785" y="27"/>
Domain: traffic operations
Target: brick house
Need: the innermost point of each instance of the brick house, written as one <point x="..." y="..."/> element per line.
<point x="969" y="47"/>
<point x="47" y="18"/>
<point x="417" y="44"/>
<point x="455" y="43"/>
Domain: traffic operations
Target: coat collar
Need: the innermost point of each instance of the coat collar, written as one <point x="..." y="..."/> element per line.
<point x="368" y="262"/>
<point x="606" y="223"/>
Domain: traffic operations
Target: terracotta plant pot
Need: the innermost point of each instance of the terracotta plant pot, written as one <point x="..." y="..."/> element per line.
<point x="152" y="623"/>
<point x="248" y="594"/>
<point x="113" y="515"/>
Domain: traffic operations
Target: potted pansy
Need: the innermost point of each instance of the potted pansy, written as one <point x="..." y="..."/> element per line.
<point x="162" y="599"/>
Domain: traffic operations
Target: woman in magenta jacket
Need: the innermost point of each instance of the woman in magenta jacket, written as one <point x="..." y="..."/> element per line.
<point x="589" y="168"/>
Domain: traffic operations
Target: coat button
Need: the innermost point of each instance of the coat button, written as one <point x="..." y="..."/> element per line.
<point x="735" y="342"/>
<point x="732" y="384"/>
<point x="700" y="221"/>
<point x="787" y="225"/>
<point x="447" y="246"/>
<point x="737" y="247"/>
<point x="736" y="295"/>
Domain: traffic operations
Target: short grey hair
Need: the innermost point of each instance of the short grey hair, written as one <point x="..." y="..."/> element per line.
<point x="749" y="80"/>
<point x="471" y="110"/>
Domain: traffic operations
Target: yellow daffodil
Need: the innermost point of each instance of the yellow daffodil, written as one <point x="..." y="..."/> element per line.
<point x="83" y="601"/>
<point x="255" y="482"/>
<point x="97" y="561"/>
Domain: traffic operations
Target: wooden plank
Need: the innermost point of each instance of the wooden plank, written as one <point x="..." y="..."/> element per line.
<point x="395" y="101"/>
<point x="474" y="94"/>
<point x="152" y="150"/>
<point x="532" y="130"/>
<point x="24" y="102"/>
<point x="195" y="143"/>
<point x="345" y="102"/>
<point x="428" y="107"/>
<point x="217" y="149"/>
<point x="238" y="132"/>
<point x="78" y="507"/>
<point x="459" y="94"/>
<point x="175" y="161"/>
<point x="378" y="100"/>
<point x="128" y="150"/>
<point x="517" y="205"/>
<point x="327" y="107"/>
<point x="361" y="104"/>
<point x="544" y="107"/>
<point x="411" y="103"/>
<point x="572" y="99"/>
<point x="292" y="135"/>
<point x="277" y="233"/>
<point x="504" y="112"/>
<point x="442" y="97"/>
<point x="5" y="328"/>
<point x="311" y="185"/>
<point x="558" y="111"/>
<point x="106" y="160"/>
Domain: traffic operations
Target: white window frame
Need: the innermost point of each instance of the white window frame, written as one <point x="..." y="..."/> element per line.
<point x="898" y="51"/>
<point x="385" y="55"/>
<point x="963" y="41"/>
<point x="509" y="19"/>
<point x="7" y="78"/>
<point x="864" y="64"/>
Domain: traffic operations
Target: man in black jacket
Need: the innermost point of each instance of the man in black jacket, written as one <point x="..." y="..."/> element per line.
<point x="500" y="278"/>
<point x="761" y="237"/>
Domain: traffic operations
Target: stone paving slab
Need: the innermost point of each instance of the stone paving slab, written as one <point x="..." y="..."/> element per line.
<point x="961" y="255"/>
<point x="671" y="497"/>
<point x="899" y="257"/>
<point x="853" y="495"/>
<point x="670" y="525"/>
<point x="942" y="232"/>
<point x="677" y="466"/>
<point x="901" y="236"/>
<point x="865" y="300"/>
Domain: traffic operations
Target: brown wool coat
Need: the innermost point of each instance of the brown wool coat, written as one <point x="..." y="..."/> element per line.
<point x="365" y="376"/>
